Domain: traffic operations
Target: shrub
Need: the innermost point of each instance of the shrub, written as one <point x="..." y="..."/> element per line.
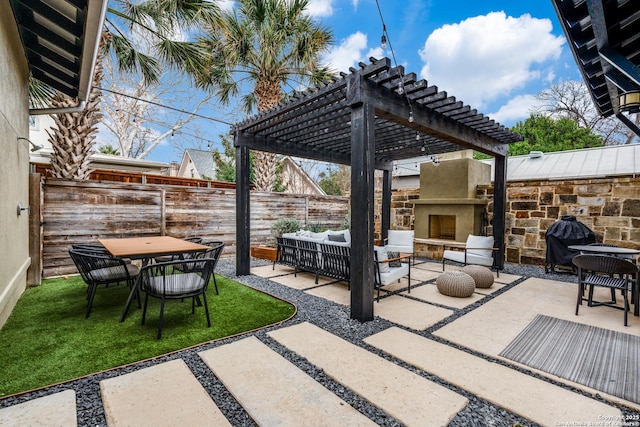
<point x="284" y="225"/>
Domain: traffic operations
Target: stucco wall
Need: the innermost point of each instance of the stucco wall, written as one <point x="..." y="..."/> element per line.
<point x="14" y="166"/>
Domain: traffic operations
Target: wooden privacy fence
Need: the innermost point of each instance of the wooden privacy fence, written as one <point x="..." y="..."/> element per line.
<point x="68" y="212"/>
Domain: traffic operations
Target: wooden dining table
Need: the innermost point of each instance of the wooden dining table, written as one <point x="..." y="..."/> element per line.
<point x="147" y="248"/>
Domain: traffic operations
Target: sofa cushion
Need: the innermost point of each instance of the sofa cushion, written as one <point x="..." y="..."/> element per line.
<point x="381" y="255"/>
<point x="478" y="243"/>
<point x="322" y="235"/>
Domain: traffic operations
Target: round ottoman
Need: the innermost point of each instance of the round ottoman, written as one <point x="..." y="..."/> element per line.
<point x="482" y="276"/>
<point x="455" y="284"/>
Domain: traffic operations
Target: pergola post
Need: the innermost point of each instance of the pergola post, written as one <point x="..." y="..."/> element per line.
<point x="499" y="204"/>
<point x="362" y="203"/>
<point x="243" y="209"/>
<point x="386" y="203"/>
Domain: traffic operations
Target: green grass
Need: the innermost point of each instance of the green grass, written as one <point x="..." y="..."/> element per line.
<point x="47" y="340"/>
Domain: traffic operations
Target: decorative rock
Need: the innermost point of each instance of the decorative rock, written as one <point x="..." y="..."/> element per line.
<point x="482" y="276"/>
<point x="455" y="284"/>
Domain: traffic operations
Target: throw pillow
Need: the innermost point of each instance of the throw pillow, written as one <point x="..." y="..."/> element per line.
<point x="396" y="263"/>
<point x="337" y="238"/>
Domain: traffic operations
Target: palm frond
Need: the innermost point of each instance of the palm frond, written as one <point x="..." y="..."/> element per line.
<point x="40" y="94"/>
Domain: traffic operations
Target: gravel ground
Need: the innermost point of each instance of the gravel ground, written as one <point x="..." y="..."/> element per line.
<point x="325" y="314"/>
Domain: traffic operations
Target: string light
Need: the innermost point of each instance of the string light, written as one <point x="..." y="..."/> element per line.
<point x="384" y="40"/>
<point x="417" y="136"/>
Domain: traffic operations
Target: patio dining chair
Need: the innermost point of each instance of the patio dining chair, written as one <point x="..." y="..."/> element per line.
<point x="165" y="281"/>
<point x="214" y="251"/>
<point x="96" y="269"/>
<point x="604" y="271"/>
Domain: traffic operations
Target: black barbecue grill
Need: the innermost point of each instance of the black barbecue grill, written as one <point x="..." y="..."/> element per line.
<point x="563" y="233"/>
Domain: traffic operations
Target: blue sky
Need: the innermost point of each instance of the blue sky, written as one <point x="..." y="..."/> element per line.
<point x="493" y="55"/>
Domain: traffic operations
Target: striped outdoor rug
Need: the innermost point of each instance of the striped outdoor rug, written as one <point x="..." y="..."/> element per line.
<point x="605" y="360"/>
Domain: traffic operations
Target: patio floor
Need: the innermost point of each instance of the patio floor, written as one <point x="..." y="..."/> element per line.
<point x="437" y="354"/>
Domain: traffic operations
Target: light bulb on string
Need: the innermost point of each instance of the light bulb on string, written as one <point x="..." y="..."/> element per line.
<point x="383" y="42"/>
<point x="400" y="88"/>
<point x="410" y="116"/>
<point x="417" y="136"/>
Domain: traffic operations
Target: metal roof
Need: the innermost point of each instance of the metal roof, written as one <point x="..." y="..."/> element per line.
<point x="605" y="41"/>
<point x="60" y="39"/>
<point x="600" y="162"/>
<point x="316" y="123"/>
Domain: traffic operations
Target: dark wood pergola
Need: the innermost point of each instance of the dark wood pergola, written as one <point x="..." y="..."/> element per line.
<point x="367" y="119"/>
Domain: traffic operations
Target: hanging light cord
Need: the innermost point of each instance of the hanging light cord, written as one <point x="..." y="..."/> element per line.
<point x="386" y="39"/>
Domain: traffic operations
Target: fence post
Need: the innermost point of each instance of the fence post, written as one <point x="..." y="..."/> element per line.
<point x="163" y="212"/>
<point x="36" y="192"/>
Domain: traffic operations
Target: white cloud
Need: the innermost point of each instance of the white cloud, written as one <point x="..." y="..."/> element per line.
<point x="485" y="57"/>
<point x="518" y="108"/>
<point x="355" y="4"/>
<point x="320" y="8"/>
<point x="348" y="52"/>
<point x="226" y="5"/>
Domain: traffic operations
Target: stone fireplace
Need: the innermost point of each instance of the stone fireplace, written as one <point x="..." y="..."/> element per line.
<point x="448" y="208"/>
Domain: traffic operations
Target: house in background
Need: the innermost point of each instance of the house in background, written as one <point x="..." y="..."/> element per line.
<point x="297" y="181"/>
<point x="40" y="158"/>
<point x="199" y="164"/>
<point x="611" y="160"/>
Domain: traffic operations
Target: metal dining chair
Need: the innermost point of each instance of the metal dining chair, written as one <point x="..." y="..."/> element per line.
<point x="164" y="281"/>
<point x="98" y="269"/>
<point x="608" y="272"/>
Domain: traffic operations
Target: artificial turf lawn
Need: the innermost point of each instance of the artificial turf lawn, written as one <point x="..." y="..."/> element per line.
<point x="47" y="339"/>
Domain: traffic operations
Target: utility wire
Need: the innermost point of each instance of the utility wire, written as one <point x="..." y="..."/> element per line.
<point x="164" y="106"/>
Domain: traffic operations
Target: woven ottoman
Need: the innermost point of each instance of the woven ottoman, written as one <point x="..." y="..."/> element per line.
<point x="455" y="284"/>
<point x="482" y="276"/>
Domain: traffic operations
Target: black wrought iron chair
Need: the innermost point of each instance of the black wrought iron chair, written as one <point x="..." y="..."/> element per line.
<point x="214" y="251"/>
<point x="604" y="271"/>
<point x="165" y="281"/>
<point x="97" y="269"/>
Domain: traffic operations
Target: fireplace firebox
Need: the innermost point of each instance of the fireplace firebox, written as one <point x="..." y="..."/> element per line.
<point x="448" y="208"/>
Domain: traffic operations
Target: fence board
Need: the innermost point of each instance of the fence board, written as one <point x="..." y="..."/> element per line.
<point x="84" y="211"/>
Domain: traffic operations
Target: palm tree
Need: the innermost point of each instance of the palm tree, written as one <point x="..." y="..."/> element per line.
<point x="161" y="20"/>
<point x="262" y="47"/>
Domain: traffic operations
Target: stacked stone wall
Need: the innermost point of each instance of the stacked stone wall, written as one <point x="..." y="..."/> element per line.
<point x="608" y="206"/>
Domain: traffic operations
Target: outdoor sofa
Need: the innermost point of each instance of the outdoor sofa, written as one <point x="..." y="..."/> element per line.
<point x="328" y="254"/>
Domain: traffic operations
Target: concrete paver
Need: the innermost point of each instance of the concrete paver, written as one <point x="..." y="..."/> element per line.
<point x="55" y="410"/>
<point x="274" y="391"/>
<point x="430" y="293"/>
<point x="491" y="327"/>
<point x="410" y="313"/>
<point x="534" y="399"/>
<point x="336" y="292"/>
<point x="408" y="397"/>
<point x="167" y="394"/>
